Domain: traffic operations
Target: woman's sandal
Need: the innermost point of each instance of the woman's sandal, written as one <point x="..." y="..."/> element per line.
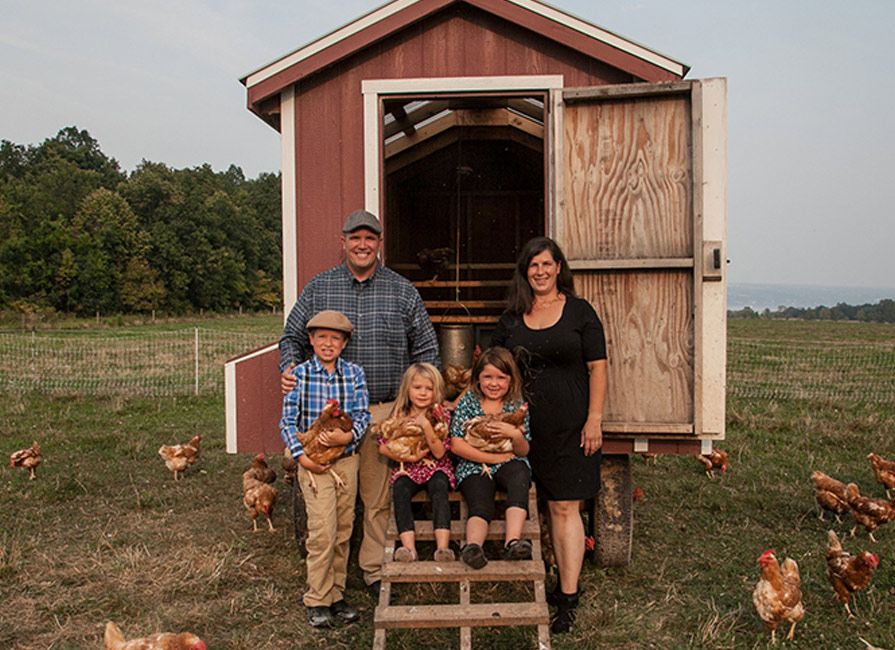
<point x="517" y="549"/>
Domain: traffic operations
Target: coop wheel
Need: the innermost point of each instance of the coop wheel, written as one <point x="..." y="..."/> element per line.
<point x="613" y="514"/>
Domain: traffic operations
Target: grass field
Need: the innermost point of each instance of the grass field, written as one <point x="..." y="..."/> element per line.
<point x="105" y="533"/>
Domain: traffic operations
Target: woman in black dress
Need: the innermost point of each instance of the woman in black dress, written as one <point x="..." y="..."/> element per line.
<point x="559" y="343"/>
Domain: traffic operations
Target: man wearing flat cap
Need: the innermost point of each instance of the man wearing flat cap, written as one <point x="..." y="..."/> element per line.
<point x="391" y="331"/>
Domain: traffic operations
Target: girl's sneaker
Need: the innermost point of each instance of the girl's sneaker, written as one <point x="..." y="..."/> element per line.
<point x="405" y="554"/>
<point x="444" y="555"/>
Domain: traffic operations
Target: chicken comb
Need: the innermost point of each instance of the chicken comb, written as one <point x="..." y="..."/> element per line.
<point x="874" y="560"/>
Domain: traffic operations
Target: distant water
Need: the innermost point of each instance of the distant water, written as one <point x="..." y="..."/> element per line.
<point x="771" y="296"/>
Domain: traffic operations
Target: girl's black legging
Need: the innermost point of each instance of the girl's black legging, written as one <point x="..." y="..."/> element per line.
<point x="437" y="487"/>
<point x="513" y="477"/>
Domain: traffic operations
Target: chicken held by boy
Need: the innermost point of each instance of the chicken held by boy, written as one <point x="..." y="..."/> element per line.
<point x="777" y="596"/>
<point x="830" y="494"/>
<point x="313" y="441"/>
<point x="28" y="458"/>
<point x="848" y="573"/>
<point x="113" y="639"/>
<point x="178" y="457"/>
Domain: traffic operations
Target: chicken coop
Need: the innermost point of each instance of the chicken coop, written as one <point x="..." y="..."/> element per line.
<point x="470" y="126"/>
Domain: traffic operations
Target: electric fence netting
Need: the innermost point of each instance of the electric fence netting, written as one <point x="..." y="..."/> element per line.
<point x="182" y="362"/>
<point x="840" y="372"/>
<point x="191" y="361"/>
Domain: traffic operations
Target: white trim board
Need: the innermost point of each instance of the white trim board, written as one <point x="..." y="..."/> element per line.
<point x="388" y="10"/>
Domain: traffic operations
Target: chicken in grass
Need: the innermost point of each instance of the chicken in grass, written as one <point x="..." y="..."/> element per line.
<point x="848" y="573"/>
<point x="331" y="418"/>
<point x="479" y="435"/>
<point x="884" y="470"/>
<point x="404" y="436"/>
<point x="261" y="471"/>
<point x="113" y="639"/>
<point x="259" y="498"/>
<point x="830" y="494"/>
<point x="178" y="457"/>
<point x="869" y="512"/>
<point x="777" y="596"/>
<point x="290" y="467"/>
<point x="28" y="458"/>
<point x="716" y="459"/>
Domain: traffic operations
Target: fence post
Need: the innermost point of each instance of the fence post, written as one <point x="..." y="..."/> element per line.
<point x="196" y="351"/>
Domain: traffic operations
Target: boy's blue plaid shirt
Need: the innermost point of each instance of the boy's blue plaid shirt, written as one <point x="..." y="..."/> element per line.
<point x="304" y="403"/>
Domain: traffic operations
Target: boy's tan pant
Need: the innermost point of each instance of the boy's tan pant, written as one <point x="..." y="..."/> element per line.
<point x="330" y="517"/>
<point x="375" y="492"/>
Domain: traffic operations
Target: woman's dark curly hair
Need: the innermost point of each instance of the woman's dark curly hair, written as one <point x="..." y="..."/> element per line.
<point x="520" y="296"/>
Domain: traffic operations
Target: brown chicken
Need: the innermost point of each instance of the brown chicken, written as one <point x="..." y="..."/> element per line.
<point x="178" y="457"/>
<point x="258" y="498"/>
<point x="884" y="470"/>
<point x="456" y="380"/>
<point x="28" y="458"/>
<point x="114" y="640"/>
<point x="846" y="572"/>
<point x="405" y="438"/>
<point x="261" y="471"/>
<point x="331" y="417"/>
<point x="716" y="459"/>
<point x="777" y="596"/>
<point x="830" y="494"/>
<point x="290" y="467"/>
<point x="436" y="261"/>
<point x="868" y="511"/>
<point x="476" y="433"/>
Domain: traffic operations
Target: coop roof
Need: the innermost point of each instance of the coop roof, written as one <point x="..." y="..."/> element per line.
<point x="394" y="16"/>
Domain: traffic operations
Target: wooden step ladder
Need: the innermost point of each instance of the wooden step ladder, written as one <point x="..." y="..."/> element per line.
<point x="464" y="614"/>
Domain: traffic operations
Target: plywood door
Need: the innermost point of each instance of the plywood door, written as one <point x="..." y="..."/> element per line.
<point x="638" y="208"/>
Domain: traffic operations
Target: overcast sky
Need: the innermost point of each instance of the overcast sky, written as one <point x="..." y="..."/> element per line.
<point x="810" y="96"/>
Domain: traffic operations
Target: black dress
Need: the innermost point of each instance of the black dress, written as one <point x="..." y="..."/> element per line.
<point x="553" y="362"/>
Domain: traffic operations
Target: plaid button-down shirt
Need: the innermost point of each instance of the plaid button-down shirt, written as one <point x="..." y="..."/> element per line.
<point x="391" y="326"/>
<point x="304" y="403"/>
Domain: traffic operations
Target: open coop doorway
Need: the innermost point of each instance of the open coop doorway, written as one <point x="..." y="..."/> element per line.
<point x="464" y="190"/>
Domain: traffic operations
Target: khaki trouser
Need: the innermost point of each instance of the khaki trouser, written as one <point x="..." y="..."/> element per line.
<point x="375" y="492"/>
<point x="330" y="517"/>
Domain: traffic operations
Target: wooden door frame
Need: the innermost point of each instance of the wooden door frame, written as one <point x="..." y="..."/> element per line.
<point x="375" y="90"/>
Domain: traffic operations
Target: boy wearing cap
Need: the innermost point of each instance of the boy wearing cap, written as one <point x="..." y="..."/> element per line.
<point x="330" y="507"/>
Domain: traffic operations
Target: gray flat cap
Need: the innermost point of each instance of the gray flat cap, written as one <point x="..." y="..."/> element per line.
<point x="362" y="219"/>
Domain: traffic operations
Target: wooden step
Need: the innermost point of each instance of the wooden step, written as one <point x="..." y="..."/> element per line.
<point x="425" y="530"/>
<point x="473" y="615"/>
<point x="494" y="571"/>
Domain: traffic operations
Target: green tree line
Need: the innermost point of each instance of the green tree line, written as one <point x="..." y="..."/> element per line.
<point x="78" y="235"/>
<point x="881" y="312"/>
